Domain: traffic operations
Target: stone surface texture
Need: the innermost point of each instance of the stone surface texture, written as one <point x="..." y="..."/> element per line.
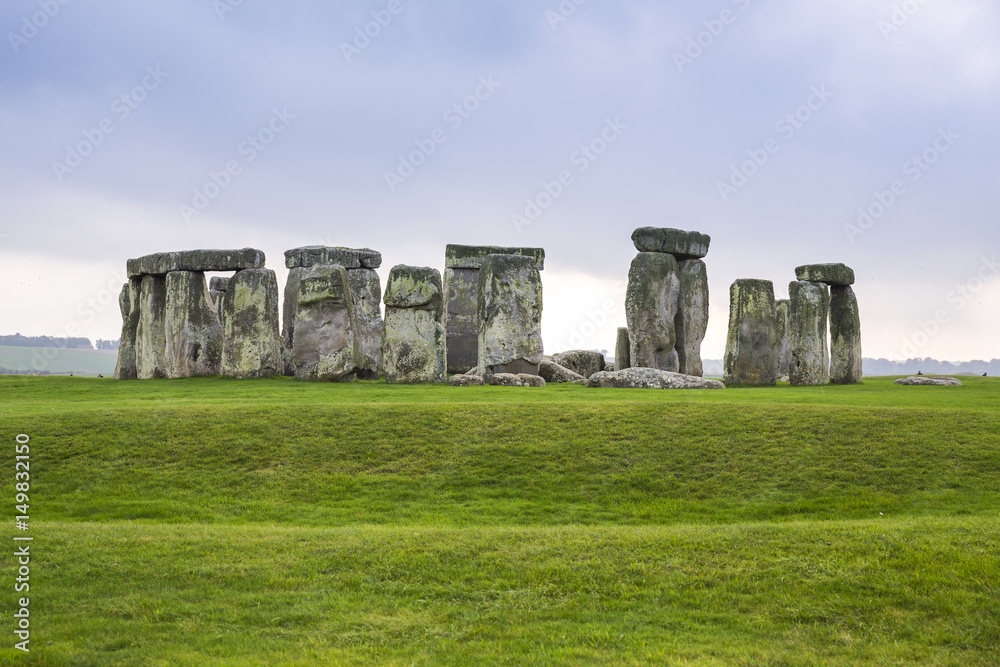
<point x="582" y="362"/>
<point x="151" y="332"/>
<point x="162" y="263"/>
<point x="320" y="255"/>
<point x="680" y="244"/>
<point x="691" y="322"/>
<point x="414" y="338"/>
<point x="650" y="378"/>
<point x="509" y="316"/>
<point x="749" y="356"/>
<point x="326" y="345"/>
<point x="473" y="256"/>
<point x="128" y="302"/>
<point x="782" y="343"/>
<point x="466" y="381"/>
<point x="831" y="274"/>
<point x="516" y="380"/>
<point x="808" y="315"/>
<point x="462" y="286"/>
<point x="251" y="341"/>
<point x="193" y="327"/>
<point x="556" y="374"/>
<point x="366" y="289"/>
<point x="651" y="303"/>
<point x="929" y="381"/>
<point x="845" y="337"/>
<point x="623" y="350"/>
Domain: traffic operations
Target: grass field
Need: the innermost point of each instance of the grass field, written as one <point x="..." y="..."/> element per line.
<point x="216" y="521"/>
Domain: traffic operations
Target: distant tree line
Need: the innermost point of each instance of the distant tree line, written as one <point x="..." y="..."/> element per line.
<point x="17" y="340"/>
<point x="102" y="344"/>
<point x="930" y="367"/>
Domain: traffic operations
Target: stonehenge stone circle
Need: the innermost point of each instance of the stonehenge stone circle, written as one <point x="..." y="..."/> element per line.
<point x="845" y="336"/>
<point x="251" y="342"/>
<point x="325" y="345"/>
<point x="650" y="378"/>
<point x="192" y="326"/>
<point x="808" y="316"/>
<point x="461" y="284"/>
<point x="749" y="357"/>
<point x="414" y="339"/>
<point x="782" y="343"/>
<point x="581" y="362"/>
<point x="692" y="314"/>
<point x="509" y="315"/>
<point x="128" y="302"/>
<point x="622" y="350"/>
<point x="151" y="331"/>
<point x="162" y="263"/>
<point x="832" y="274"/>
<point x="651" y="303"/>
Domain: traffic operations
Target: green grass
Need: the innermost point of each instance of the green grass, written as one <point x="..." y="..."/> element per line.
<point x="218" y="521"/>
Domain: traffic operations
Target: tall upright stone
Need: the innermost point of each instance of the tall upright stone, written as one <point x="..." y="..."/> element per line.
<point x="808" y="312"/>
<point x="750" y="343"/>
<point x="326" y="344"/>
<point x="151" y="332"/>
<point x="509" y="312"/>
<point x="289" y="305"/>
<point x="414" y="338"/>
<point x="782" y="343"/>
<point x="251" y="341"/>
<point x="623" y="350"/>
<point x="845" y="336"/>
<point x="128" y="302"/>
<point x="193" y="328"/>
<point x="366" y="290"/>
<point x="651" y="304"/>
<point x="216" y="290"/>
<point x="691" y="322"/>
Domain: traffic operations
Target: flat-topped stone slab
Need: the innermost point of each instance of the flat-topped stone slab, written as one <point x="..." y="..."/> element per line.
<point x="321" y="255"/>
<point x="162" y="263"/>
<point x="917" y="381"/>
<point x="473" y="256"/>
<point x="680" y="244"/>
<point x="650" y="378"/>
<point x="831" y="274"/>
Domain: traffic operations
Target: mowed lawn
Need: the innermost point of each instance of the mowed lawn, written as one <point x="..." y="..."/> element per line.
<point x="215" y="521"/>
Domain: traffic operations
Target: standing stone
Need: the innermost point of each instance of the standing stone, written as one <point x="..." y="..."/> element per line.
<point x="326" y="343"/>
<point x="128" y="301"/>
<point x="845" y="337"/>
<point x="651" y="303"/>
<point x="509" y="311"/>
<point x="692" y="315"/>
<point x="193" y="328"/>
<point x="782" y="343"/>
<point x="289" y="305"/>
<point x="414" y="347"/>
<point x="251" y="343"/>
<point x="808" y="311"/>
<point x="216" y="290"/>
<point x="622" y="350"/>
<point x="750" y="343"/>
<point x="151" y="333"/>
<point x="366" y="290"/>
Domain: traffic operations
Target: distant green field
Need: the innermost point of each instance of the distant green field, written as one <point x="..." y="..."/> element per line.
<point x="58" y="361"/>
<point x="214" y="521"/>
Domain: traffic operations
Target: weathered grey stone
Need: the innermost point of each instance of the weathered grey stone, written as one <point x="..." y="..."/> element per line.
<point x="162" y="263"/>
<point x="414" y="339"/>
<point x="609" y="366"/>
<point x="151" y="332"/>
<point x="466" y="381"/>
<point x="509" y="315"/>
<point x="366" y="289"/>
<point x="461" y="287"/>
<point x="128" y="302"/>
<point x="289" y="305"/>
<point x="582" y="362"/>
<point x="651" y="303"/>
<point x="321" y="255"/>
<point x="193" y="328"/>
<point x="623" y="350"/>
<point x="325" y="343"/>
<point x="473" y="256"/>
<point x="219" y="283"/>
<point x="831" y="274"/>
<point x="845" y="337"/>
<point x="930" y="382"/>
<point x="750" y="343"/>
<point x="680" y="244"/>
<point x="650" y="378"/>
<point x="691" y="322"/>
<point x="472" y="371"/>
<point x="516" y="380"/>
<point x="782" y="342"/>
<point x="251" y="345"/>
<point x="808" y="313"/>
<point x="553" y="372"/>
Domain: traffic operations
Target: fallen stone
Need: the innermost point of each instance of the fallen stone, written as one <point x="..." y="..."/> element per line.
<point x="749" y="359"/>
<point x="325" y="344"/>
<point x="251" y="341"/>
<point x="471" y="371"/>
<point x="466" y="381"/>
<point x="321" y="255"/>
<point x="461" y="287"/>
<point x="162" y="263"/>
<point x="782" y="343"/>
<point x="691" y="322"/>
<point x="128" y="303"/>
<point x="808" y="314"/>
<point x="516" y="380"/>
<point x="651" y="303"/>
<point x="414" y="337"/>
<point x="930" y="382"/>
<point x="473" y="256"/>
<point x="509" y="314"/>
<point x="609" y="366"/>
<point x="151" y="332"/>
<point x="193" y="327"/>
<point x="680" y="244"/>
<point x="650" y="378"/>
<point x="845" y="337"/>
<point x="366" y="289"/>
<point x="554" y="373"/>
<point x="831" y="274"/>
<point x="582" y="362"/>
<point x="622" y="350"/>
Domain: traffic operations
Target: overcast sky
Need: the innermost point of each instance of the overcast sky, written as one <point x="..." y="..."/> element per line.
<point x="130" y="128"/>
